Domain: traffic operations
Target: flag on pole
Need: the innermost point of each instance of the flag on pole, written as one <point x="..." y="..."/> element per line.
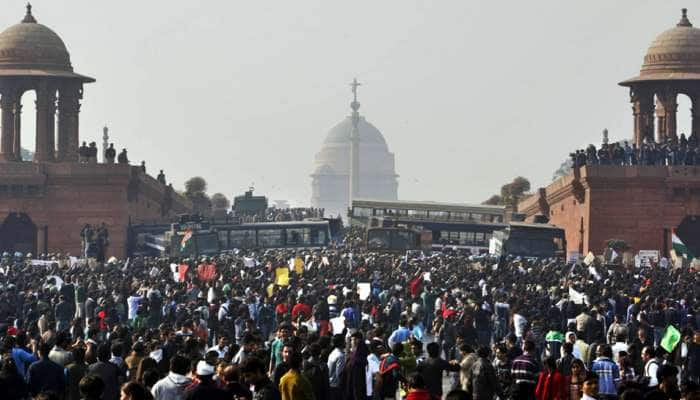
<point x="679" y="247"/>
<point x="186" y="241"/>
<point x="670" y="339"/>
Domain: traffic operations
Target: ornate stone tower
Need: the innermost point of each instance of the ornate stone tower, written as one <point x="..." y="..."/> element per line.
<point x="671" y="67"/>
<point x="45" y="203"/>
<point x="33" y="57"/>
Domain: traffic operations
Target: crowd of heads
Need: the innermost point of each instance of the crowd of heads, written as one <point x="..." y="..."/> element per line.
<point x="274" y="214"/>
<point x="230" y="323"/>
<point x="673" y="151"/>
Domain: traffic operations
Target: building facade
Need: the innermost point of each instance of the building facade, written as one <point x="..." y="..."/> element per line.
<point x="354" y="162"/>
<point x="45" y="202"/>
<point x="640" y="204"/>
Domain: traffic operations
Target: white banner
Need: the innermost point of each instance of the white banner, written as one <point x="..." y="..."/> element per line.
<point x="576" y="297"/>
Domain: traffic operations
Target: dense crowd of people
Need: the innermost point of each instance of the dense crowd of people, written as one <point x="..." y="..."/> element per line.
<point x="274" y="214"/>
<point x="343" y="323"/>
<point x="681" y="151"/>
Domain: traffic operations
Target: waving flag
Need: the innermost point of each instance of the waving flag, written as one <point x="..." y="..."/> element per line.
<point x="679" y="247"/>
<point x="186" y="242"/>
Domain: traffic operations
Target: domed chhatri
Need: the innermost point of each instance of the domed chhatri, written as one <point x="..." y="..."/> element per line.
<point x="671" y="67"/>
<point x="34" y="58"/>
<point x="30" y="48"/>
<point x="674" y="54"/>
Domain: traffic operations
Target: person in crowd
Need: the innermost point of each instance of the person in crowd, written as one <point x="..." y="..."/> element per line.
<point x="134" y="391"/>
<point x="551" y="384"/>
<point x="75" y="372"/>
<point x="417" y="388"/>
<point x="524" y="371"/>
<point x="232" y="384"/>
<point x="45" y="375"/>
<point x="91" y="387"/>
<point x="484" y="383"/>
<point x="294" y="385"/>
<point x="107" y="372"/>
<point x="205" y="388"/>
<point x="667" y="388"/>
<point x="589" y="386"/>
<point x="433" y="369"/>
<point x="578" y="375"/>
<point x="13" y="385"/>
<point x="172" y="387"/>
<point x="336" y="365"/>
<point x="652" y="362"/>
<point x="253" y="371"/>
<point x="354" y="375"/>
<point x="608" y="373"/>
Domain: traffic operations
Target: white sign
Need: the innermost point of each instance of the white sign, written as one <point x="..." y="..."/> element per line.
<point x="576" y="297"/>
<point x="589" y="258"/>
<point x="646" y="257"/>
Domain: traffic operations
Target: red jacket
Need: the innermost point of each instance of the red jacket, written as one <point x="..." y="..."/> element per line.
<point x="418" y="394"/>
<point x="552" y="386"/>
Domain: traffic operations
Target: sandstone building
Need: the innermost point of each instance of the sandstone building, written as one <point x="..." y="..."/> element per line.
<point x="44" y="202"/>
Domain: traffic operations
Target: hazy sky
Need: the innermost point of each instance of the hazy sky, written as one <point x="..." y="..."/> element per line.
<point x="468" y="94"/>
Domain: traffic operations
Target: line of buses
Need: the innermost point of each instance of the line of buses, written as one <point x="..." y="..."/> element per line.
<point x="396" y="226"/>
<point x="475" y="229"/>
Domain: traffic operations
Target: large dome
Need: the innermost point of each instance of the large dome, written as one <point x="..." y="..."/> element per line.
<point x="673" y="55"/>
<point x="341" y="132"/>
<point x="30" y="45"/>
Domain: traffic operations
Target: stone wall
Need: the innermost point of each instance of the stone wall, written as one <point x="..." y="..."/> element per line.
<point x="638" y="204"/>
<point x="61" y="197"/>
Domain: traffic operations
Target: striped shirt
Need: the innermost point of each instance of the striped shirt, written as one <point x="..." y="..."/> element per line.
<point x="525" y="369"/>
<point x="608" y="375"/>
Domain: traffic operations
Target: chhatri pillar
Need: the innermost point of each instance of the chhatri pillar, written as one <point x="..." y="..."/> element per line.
<point x="643" y="109"/>
<point x="8" y="97"/>
<point x="68" y="109"/>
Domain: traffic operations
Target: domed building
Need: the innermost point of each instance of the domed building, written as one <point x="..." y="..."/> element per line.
<point x="375" y="175"/>
<point x="46" y="199"/>
<point x="671" y="67"/>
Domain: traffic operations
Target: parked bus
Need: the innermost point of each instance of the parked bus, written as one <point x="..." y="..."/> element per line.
<point x="529" y="240"/>
<point x="209" y="238"/>
<point x="392" y="239"/>
<point x="264" y="235"/>
<point x="441" y="225"/>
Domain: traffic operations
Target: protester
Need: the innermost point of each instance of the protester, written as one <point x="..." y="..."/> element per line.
<point x="239" y="318"/>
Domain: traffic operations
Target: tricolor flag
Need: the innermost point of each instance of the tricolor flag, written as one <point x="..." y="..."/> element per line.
<point x="186" y="241"/>
<point x="679" y="247"/>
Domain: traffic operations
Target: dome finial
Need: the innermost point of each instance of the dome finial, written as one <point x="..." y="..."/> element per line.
<point x="684" y="19"/>
<point x="29" y="18"/>
<point x="355" y="105"/>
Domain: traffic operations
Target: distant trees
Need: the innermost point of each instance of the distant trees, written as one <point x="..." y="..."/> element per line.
<point x="511" y="193"/>
<point x="196" y="192"/>
<point x="220" y="202"/>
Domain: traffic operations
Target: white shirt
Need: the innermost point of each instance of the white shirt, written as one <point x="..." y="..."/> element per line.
<point x="618" y="347"/>
<point x="519" y="322"/>
<point x="371" y="369"/>
<point x="219" y="350"/>
<point x="133" y="302"/>
<point x="650" y="369"/>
